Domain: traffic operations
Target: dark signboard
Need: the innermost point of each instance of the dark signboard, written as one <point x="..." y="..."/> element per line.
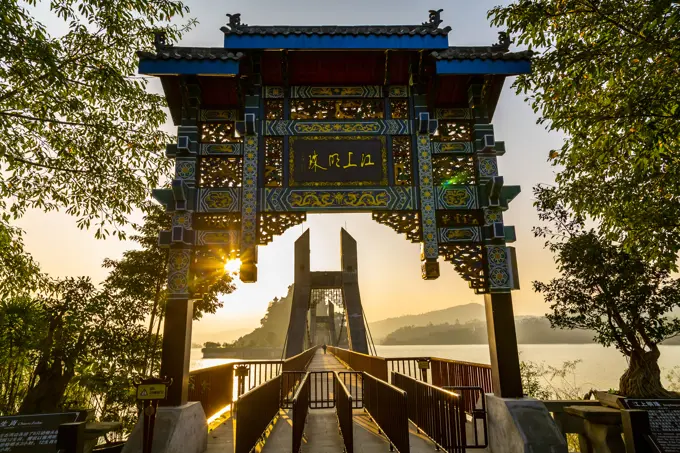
<point x="335" y="161"/>
<point x="664" y="421"/>
<point x="33" y="433"/>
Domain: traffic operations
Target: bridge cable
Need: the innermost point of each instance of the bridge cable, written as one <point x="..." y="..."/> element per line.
<point x="285" y="343"/>
<point x="342" y="324"/>
<point x="370" y="336"/>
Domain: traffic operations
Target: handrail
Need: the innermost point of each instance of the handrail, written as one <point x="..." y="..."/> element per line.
<point x="301" y="361"/>
<point x="254" y="411"/>
<point x="461" y="362"/>
<point x="452" y="373"/>
<point x="409" y="366"/>
<point x="371" y="364"/>
<point x="300" y="404"/>
<point x="387" y="406"/>
<point x="474" y="402"/>
<point x="437" y="412"/>
<point x="213" y="387"/>
<point x="343" y="410"/>
<point x="355" y="386"/>
<point x="290" y="382"/>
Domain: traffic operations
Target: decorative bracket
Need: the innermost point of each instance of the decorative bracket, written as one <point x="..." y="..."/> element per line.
<point x="503" y="43"/>
<point x="187" y="140"/>
<point x="180" y="194"/>
<point x="160" y="40"/>
<point x="235" y="21"/>
<point x="425" y="124"/>
<point x="435" y="18"/>
<point x="178" y="235"/>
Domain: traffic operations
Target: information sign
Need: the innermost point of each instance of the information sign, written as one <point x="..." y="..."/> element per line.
<point x="664" y="421"/>
<point x="33" y="433"/>
<point x="151" y="391"/>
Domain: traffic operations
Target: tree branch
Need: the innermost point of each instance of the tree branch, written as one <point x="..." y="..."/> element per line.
<point x="51" y="167"/>
<point x="46" y="120"/>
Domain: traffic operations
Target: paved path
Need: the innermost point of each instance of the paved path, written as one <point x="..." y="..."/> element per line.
<point x="325" y="362"/>
<point x="321" y="431"/>
<point x="221" y="439"/>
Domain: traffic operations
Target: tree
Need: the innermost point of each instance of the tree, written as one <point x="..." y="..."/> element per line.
<point x="607" y="74"/>
<point x="68" y="345"/>
<point x="615" y="292"/>
<point x="138" y="280"/>
<point x="76" y="318"/>
<point x="19" y="273"/>
<point x="21" y="326"/>
<point x="77" y="361"/>
<point x="78" y="130"/>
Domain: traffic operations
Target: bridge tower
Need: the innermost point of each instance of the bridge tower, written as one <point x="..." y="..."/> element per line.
<point x="318" y="295"/>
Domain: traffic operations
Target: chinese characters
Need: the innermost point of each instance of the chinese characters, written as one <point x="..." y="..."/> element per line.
<point x="335" y="161"/>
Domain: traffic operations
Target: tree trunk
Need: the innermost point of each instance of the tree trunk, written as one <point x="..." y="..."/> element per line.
<point x="642" y="379"/>
<point x="48" y="392"/>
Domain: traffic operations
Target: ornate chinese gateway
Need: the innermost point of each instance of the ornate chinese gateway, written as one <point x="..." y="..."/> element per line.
<point x="286" y="120"/>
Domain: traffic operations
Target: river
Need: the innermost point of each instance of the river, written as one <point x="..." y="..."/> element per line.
<point x="599" y="368"/>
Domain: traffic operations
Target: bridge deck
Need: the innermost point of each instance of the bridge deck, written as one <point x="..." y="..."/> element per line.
<point x="321" y="432"/>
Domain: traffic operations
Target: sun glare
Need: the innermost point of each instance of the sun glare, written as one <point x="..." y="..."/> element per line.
<point x="232" y="266"/>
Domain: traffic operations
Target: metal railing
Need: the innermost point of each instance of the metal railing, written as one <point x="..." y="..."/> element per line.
<point x="474" y="402"/>
<point x="343" y="409"/>
<point x="435" y="411"/>
<point x="218" y="386"/>
<point x="253" y="413"/>
<point x="373" y="365"/>
<point x="387" y="406"/>
<point x="452" y="373"/>
<point x="353" y="380"/>
<point x="290" y="380"/>
<point x="259" y="372"/>
<point x="322" y="386"/>
<point x="410" y="366"/>
<point x="213" y="387"/>
<point x="300" y="405"/>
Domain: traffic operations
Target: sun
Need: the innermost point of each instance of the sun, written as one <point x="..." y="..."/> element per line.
<point x="232" y="266"/>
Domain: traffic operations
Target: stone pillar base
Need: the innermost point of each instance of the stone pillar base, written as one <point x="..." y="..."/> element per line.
<point x="181" y="429"/>
<point x="522" y="425"/>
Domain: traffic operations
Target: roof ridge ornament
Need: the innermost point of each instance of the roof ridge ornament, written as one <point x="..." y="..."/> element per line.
<point x="503" y="43"/>
<point x="160" y="40"/>
<point x="235" y="21"/>
<point x="435" y="19"/>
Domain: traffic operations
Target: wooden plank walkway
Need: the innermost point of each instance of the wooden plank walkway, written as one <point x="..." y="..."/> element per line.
<point x="321" y="432"/>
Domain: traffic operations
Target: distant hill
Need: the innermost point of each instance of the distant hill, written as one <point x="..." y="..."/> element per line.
<point x="222" y="336"/>
<point x="530" y="330"/>
<point x="458" y="314"/>
<point x="273" y="326"/>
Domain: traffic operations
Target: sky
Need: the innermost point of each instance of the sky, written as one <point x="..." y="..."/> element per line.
<point x="389" y="265"/>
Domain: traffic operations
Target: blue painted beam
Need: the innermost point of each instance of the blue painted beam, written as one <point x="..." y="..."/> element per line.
<point x="336" y="42"/>
<point x="189" y="67"/>
<point x="500" y="67"/>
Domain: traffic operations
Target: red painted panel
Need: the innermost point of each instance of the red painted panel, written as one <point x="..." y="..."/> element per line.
<point x="451" y="91"/>
<point x="336" y="68"/>
<point x="399" y="66"/>
<point x="218" y="92"/>
<point x="272" y="68"/>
